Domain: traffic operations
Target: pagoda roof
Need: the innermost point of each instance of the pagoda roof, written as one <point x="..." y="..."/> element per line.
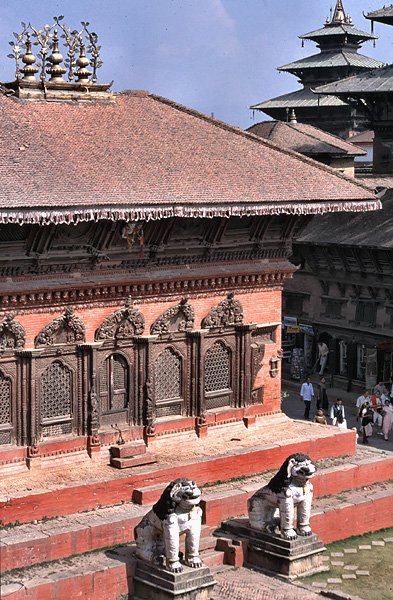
<point x="141" y="156"/>
<point x="371" y="82"/>
<point x="335" y="58"/>
<point x="374" y="229"/>
<point x="383" y="15"/>
<point x="304" y="98"/>
<point x="304" y="138"/>
<point x="338" y="29"/>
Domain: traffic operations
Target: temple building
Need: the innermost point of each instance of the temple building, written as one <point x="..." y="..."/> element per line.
<point x="312" y="142"/>
<point x="343" y="295"/>
<point x="372" y="91"/>
<point x="143" y="251"/>
<point x="339" y="41"/>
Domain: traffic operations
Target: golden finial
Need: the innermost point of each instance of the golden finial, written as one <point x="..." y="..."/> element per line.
<point x="292" y="116"/>
<point x="56" y="71"/>
<point x="82" y="62"/>
<point x="339" y="13"/>
<point x="29" y="59"/>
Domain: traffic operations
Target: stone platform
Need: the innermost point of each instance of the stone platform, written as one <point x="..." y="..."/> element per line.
<point x="153" y="583"/>
<point x="273" y="554"/>
<point x="230" y="451"/>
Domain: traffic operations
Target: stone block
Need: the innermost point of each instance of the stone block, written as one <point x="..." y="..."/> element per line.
<point x="156" y="583"/>
<point x="349" y="576"/>
<point x="362" y="573"/>
<point x="337" y="563"/>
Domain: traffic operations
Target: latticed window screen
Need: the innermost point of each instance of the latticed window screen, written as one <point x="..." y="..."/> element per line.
<point x="167" y="373"/>
<point x="5" y="400"/>
<point x="113" y="384"/>
<point x="56" y="391"/>
<point x="218" y="368"/>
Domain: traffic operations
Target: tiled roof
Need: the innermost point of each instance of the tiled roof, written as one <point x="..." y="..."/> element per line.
<point x="375" y="81"/>
<point x="384" y="15"/>
<point x="342" y="58"/>
<point x="303" y="98"/>
<point x="144" y="157"/>
<point x="338" y="30"/>
<point x="304" y="138"/>
<point x="374" y="229"/>
<point x="364" y="137"/>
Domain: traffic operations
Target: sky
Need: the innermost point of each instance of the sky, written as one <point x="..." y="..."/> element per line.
<point x="216" y="56"/>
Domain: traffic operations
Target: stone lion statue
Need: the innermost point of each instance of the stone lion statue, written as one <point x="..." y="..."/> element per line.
<point x="176" y="513"/>
<point x="274" y="504"/>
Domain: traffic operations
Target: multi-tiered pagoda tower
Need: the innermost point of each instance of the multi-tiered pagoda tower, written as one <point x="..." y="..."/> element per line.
<point x="373" y="91"/>
<point x="338" y="41"/>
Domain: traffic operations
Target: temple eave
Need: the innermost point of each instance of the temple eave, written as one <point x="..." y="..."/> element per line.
<point x="43" y="217"/>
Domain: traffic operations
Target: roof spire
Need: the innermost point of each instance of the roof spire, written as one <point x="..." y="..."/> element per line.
<point x="339" y="15"/>
<point x="292" y="116"/>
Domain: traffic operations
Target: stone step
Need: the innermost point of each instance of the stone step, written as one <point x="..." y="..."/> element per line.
<point x="133" y="461"/>
<point x="108" y="574"/>
<point x="124" y="451"/>
<point x="222" y="457"/>
<point x="78" y="533"/>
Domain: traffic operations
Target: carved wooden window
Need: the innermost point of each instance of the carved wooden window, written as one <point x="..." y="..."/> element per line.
<point x="56" y="400"/>
<point x="113" y="384"/>
<point x="218" y="368"/>
<point x="5" y="409"/>
<point x="167" y="373"/>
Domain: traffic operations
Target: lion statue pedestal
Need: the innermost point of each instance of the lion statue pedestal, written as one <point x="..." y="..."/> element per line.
<point x="275" y="543"/>
<point x="162" y="572"/>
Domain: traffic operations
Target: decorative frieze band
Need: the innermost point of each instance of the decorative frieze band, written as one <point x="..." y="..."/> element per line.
<point x="84" y="296"/>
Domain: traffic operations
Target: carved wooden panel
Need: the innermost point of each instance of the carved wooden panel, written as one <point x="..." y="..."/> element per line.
<point x="5" y="409"/>
<point x="12" y="334"/>
<point x="227" y="313"/>
<point x="56" y="400"/>
<point x="113" y="387"/>
<point x="179" y="318"/>
<point x="122" y="324"/>
<point x="217" y="368"/>
<point x="67" y="329"/>
<point x="218" y="375"/>
<point x="167" y="371"/>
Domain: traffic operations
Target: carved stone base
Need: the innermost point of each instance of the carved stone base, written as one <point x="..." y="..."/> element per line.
<point x="94" y="447"/>
<point x="272" y="553"/>
<point x="156" y="583"/>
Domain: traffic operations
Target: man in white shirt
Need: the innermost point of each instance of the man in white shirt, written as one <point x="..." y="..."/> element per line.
<point x="307" y="394"/>
<point x="323" y="354"/>
<point x="365" y="397"/>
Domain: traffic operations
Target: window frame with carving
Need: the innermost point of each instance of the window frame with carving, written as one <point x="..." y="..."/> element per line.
<point x="112" y="391"/>
<point x="215" y="399"/>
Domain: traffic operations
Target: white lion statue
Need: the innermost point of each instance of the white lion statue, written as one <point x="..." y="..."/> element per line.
<point x="274" y="504"/>
<point x="177" y="512"/>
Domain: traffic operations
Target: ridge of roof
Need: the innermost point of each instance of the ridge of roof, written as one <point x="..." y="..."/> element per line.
<point x="328" y="56"/>
<point x="338" y="29"/>
<point x="314" y="133"/>
<point x="333" y="88"/>
<point x="262" y="141"/>
<point x="298" y="98"/>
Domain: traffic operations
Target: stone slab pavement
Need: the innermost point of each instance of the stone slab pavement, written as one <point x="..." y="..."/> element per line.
<point x="245" y="584"/>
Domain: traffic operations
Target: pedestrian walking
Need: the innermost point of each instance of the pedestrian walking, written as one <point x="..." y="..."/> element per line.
<point x="307" y="394"/>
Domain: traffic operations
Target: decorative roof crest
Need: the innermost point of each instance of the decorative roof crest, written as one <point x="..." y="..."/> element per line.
<point x="48" y="65"/>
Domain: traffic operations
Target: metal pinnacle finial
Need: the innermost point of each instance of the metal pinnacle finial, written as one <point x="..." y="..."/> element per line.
<point x="82" y="62"/>
<point x="29" y="59"/>
<point x="339" y="13"/>
<point x="56" y="71"/>
<point x="292" y="116"/>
